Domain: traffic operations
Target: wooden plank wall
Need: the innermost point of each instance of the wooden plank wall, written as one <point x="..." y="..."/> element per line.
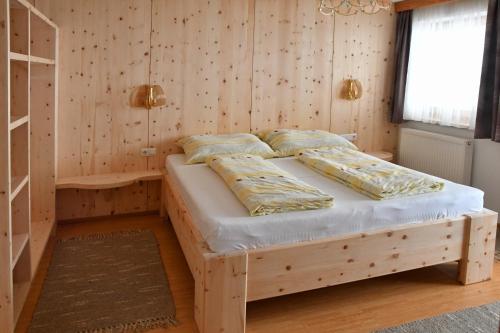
<point x="104" y="59"/>
<point x="292" y="66"/>
<point x="226" y="66"/>
<point x="364" y="50"/>
<point x="202" y="56"/>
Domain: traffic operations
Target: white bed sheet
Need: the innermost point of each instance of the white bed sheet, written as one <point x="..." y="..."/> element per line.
<point x="226" y="225"/>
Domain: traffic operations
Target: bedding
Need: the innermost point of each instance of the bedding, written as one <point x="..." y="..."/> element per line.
<point x="287" y="142"/>
<point x="369" y="175"/>
<point x="224" y="223"/>
<point x="264" y="188"/>
<point x="198" y="148"/>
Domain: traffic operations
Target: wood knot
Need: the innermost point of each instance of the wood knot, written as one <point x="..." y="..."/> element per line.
<point x="288" y="267"/>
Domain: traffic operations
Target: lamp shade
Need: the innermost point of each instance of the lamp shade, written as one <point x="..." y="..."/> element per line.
<point x="155" y="97"/>
<point x="351" y="90"/>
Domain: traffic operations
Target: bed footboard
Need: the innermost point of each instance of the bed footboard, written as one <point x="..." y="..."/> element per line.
<point x="287" y="269"/>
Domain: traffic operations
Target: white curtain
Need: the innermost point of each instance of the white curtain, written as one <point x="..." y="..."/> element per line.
<point x="444" y="69"/>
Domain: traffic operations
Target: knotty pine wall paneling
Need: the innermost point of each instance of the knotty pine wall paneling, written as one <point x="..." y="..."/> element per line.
<point x="104" y="58"/>
<point x="364" y="50"/>
<point x="226" y="66"/>
<point x="201" y="54"/>
<point x="292" y="65"/>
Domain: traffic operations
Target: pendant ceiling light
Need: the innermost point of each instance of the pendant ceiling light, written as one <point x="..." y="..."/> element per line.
<point x="351" y="7"/>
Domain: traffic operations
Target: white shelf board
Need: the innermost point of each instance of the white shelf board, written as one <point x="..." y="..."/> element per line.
<point x="19" y="242"/>
<point x="39" y="60"/>
<point x="17" y="184"/>
<point x="18" y="56"/>
<point x="16" y="121"/>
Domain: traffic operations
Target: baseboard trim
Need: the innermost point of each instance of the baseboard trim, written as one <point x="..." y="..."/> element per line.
<point x="106" y="217"/>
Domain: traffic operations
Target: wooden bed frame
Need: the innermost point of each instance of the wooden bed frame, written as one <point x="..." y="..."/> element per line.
<point x="225" y="283"/>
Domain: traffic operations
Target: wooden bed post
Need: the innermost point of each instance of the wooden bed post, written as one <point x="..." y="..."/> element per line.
<point x="222" y="305"/>
<point x="479" y="248"/>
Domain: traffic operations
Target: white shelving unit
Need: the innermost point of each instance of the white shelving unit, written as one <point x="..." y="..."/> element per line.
<point x="28" y="82"/>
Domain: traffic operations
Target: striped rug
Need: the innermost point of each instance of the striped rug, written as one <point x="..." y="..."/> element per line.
<point x="105" y="283"/>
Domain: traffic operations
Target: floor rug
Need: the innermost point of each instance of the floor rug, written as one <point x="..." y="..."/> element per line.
<point x="481" y="319"/>
<point x="105" y="283"/>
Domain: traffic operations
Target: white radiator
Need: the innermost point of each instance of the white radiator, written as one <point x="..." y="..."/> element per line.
<point x="440" y="155"/>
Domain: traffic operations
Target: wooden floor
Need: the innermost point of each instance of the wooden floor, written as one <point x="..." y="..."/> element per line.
<point x="355" y="307"/>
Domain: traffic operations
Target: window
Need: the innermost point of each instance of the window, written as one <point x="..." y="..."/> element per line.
<point x="444" y="69"/>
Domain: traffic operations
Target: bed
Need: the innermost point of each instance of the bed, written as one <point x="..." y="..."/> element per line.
<point x="235" y="258"/>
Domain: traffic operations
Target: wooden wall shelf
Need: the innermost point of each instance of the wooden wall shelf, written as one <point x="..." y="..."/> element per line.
<point x="40" y="60"/>
<point x="17" y="184"/>
<point x="107" y="181"/>
<point x="28" y="84"/>
<point x="18" y="244"/>
<point x="18" y="56"/>
<point x="16" y="121"/>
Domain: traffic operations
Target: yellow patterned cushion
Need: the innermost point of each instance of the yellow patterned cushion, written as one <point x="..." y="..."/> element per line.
<point x="264" y="188"/>
<point x="199" y="147"/>
<point x="287" y="142"/>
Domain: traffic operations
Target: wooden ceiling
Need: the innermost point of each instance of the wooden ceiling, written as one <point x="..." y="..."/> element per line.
<point x="414" y="4"/>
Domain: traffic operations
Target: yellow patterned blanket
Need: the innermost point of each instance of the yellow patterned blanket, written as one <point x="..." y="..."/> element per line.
<point x="369" y="175"/>
<point x="264" y="188"/>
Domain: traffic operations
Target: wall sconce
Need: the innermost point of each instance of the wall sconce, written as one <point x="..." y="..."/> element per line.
<point x="155" y="97"/>
<point x="351" y="90"/>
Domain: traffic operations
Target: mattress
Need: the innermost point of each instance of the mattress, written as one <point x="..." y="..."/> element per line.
<point x="226" y="225"/>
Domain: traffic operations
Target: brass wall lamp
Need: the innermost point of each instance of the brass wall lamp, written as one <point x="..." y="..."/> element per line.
<point x="155" y="97"/>
<point x="351" y="90"/>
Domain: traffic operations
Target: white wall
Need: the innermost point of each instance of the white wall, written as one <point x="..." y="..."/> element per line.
<point x="486" y="171"/>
